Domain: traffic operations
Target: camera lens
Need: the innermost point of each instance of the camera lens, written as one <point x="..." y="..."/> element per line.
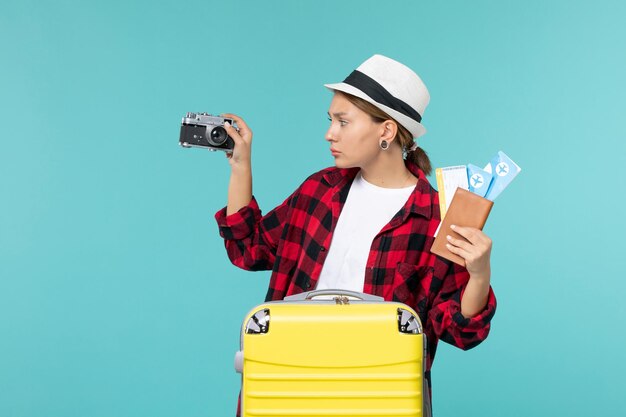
<point x="218" y="136"/>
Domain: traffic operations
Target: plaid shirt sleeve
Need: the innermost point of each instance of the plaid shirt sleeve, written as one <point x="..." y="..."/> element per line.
<point x="251" y="240"/>
<point x="449" y="324"/>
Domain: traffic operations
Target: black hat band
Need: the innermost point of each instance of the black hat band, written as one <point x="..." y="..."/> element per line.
<point x="378" y="93"/>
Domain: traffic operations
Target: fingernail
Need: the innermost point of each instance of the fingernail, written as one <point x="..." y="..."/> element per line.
<point x="448" y="237"/>
<point x="226" y="124"/>
<point x="448" y="245"/>
<point x="452" y="226"/>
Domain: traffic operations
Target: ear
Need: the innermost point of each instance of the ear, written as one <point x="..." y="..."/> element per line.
<point x="389" y="130"/>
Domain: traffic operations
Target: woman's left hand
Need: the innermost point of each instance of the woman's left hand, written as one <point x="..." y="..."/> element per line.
<point x="476" y="251"/>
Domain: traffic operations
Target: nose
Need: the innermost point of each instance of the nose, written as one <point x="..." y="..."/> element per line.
<point x="329" y="134"/>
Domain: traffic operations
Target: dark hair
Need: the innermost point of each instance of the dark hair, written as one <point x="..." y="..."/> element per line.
<point x="403" y="136"/>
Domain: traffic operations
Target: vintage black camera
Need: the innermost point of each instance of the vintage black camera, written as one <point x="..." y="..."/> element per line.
<point x="203" y="130"/>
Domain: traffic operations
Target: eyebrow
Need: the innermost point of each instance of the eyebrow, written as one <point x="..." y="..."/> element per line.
<point x="338" y="114"/>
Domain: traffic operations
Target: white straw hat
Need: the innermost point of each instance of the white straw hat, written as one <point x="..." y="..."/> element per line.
<point x="392" y="87"/>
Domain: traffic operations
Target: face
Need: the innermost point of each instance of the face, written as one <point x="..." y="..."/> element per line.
<point x="353" y="135"/>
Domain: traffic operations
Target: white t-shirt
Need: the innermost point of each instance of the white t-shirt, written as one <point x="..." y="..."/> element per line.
<point x="366" y="211"/>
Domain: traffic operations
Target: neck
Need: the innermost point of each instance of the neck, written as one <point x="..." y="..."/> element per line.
<point x="387" y="170"/>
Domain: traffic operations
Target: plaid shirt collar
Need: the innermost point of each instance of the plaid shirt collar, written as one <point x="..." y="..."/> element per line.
<point x="420" y="202"/>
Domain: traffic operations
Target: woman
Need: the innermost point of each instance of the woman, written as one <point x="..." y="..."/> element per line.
<point x="368" y="223"/>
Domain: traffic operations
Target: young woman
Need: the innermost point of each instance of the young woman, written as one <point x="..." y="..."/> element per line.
<point x="366" y="224"/>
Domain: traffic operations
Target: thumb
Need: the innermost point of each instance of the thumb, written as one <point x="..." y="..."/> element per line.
<point x="232" y="132"/>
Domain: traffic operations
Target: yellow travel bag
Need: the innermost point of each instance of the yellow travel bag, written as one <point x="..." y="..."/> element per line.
<point x="332" y="353"/>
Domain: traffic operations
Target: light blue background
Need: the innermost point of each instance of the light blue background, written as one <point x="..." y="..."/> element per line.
<point x="116" y="296"/>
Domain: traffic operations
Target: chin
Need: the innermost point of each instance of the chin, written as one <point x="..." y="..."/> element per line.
<point x="342" y="164"/>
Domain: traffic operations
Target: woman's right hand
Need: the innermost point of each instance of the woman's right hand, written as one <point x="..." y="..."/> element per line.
<point x="240" y="185"/>
<point x="240" y="157"/>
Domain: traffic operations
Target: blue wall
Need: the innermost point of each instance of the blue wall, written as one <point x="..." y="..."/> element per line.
<point x="116" y="297"/>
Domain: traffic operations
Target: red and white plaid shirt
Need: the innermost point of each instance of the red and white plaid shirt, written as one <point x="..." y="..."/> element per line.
<point x="293" y="239"/>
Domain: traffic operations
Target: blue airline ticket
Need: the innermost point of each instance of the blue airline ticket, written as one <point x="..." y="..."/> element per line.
<point x="503" y="170"/>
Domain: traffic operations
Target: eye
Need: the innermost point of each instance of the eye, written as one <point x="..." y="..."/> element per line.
<point x="341" y="122"/>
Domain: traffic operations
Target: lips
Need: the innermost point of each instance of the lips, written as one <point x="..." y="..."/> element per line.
<point x="334" y="151"/>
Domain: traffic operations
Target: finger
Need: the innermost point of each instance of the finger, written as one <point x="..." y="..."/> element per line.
<point x="458" y="251"/>
<point x="232" y="132"/>
<point x="459" y="243"/>
<point x="240" y="123"/>
<point x="471" y="253"/>
<point x="474" y="251"/>
<point x="469" y="233"/>
<point x="474" y="235"/>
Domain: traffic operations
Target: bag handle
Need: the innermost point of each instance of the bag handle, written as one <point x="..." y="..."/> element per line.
<point x="310" y="294"/>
